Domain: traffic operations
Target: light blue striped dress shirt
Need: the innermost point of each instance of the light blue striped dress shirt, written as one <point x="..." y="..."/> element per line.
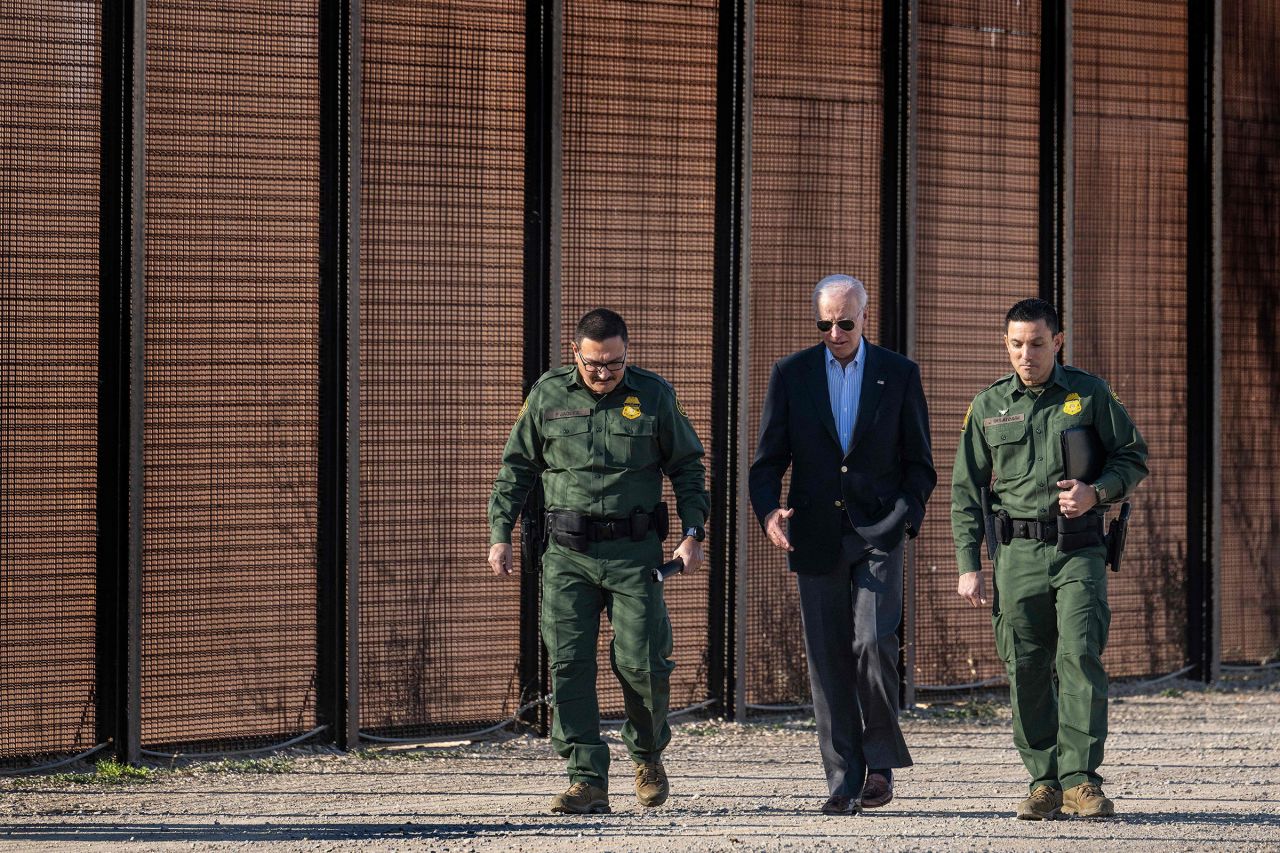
<point x="845" y="386"/>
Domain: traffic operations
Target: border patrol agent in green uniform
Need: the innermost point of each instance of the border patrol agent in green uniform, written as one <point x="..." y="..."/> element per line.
<point x="602" y="435"/>
<point x="1050" y="601"/>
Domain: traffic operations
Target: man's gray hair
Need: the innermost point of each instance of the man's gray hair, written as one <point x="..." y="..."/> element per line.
<point x="839" y="285"/>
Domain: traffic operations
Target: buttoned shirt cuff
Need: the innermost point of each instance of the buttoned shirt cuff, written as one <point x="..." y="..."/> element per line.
<point x="968" y="560"/>
<point x="500" y="534"/>
<point x="1108" y="487"/>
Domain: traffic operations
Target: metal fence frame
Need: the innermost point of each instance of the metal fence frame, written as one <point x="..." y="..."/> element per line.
<point x="123" y="319"/>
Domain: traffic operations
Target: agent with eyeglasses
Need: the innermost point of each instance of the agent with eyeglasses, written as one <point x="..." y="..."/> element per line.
<point x="602" y="434"/>
<point x="850" y="420"/>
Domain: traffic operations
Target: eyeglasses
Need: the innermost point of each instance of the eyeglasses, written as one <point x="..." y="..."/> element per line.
<point x="597" y="366"/>
<point x="825" y="325"/>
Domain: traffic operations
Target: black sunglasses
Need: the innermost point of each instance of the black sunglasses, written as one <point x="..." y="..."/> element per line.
<point x="825" y="325"/>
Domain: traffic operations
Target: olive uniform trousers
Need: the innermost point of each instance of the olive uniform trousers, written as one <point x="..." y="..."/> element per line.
<point x="611" y="577"/>
<point x="1050" y="615"/>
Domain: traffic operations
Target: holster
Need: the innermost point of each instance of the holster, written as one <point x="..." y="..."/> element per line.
<point x="1003" y="526"/>
<point x="533" y="534"/>
<point x="661" y="521"/>
<point x="1116" y="536"/>
<point x="1075" y="534"/>
<point x="988" y="522"/>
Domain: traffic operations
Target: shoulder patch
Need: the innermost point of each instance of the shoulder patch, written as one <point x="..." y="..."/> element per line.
<point x="524" y="408"/>
<point x="968" y="413"/>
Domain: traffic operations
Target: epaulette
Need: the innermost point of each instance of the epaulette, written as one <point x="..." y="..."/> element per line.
<point x="564" y="370"/>
<point x="1004" y="378"/>
<point x="1072" y="369"/>
<point x="649" y="374"/>
<point x="1087" y="375"/>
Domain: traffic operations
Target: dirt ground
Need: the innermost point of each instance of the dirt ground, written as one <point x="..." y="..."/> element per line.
<point x="1190" y="768"/>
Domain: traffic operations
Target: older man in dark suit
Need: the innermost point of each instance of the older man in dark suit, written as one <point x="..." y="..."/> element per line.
<point x="850" y="420"/>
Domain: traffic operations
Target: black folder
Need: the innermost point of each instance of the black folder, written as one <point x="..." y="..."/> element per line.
<point x="1082" y="454"/>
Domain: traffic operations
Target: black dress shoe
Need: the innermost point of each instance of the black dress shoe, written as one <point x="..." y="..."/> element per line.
<point x="879" y="789"/>
<point x="841" y="804"/>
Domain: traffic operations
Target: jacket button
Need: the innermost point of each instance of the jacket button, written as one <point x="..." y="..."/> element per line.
<point x="839" y="503"/>
<point x="844" y="469"/>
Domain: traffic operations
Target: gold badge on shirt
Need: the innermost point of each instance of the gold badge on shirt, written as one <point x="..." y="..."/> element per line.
<point x="1073" y="404"/>
<point x="631" y="408"/>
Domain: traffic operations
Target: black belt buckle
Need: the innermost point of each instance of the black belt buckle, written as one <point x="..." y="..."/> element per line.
<point x="1036" y="531"/>
<point x="605" y="529"/>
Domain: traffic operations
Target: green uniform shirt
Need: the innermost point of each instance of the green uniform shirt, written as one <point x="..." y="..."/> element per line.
<point x="600" y="456"/>
<point x="1013" y="432"/>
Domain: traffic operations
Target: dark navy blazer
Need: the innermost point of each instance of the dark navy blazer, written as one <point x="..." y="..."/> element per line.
<point x="881" y="484"/>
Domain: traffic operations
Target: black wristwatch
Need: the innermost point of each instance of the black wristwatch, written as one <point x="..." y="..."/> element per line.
<point x="696" y="533"/>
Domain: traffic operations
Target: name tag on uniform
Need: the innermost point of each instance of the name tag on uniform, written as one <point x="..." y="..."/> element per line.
<point x="1007" y="419"/>
<point x="556" y="414"/>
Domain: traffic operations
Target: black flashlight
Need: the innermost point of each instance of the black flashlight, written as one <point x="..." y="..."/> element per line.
<point x="666" y="570"/>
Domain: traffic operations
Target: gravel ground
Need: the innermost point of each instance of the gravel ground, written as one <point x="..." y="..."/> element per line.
<point x="1190" y="768"/>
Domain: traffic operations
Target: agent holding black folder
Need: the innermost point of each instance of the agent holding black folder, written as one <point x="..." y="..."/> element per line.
<point x="1049" y="605"/>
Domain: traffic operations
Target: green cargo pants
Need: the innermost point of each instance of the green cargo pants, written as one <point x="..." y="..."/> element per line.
<point x="1050" y="613"/>
<point x="612" y="577"/>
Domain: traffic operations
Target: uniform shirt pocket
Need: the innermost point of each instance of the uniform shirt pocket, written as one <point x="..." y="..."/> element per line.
<point x="631" y="442"/>
<point x="567" y="442"/>
<point x="1008" y="447"/>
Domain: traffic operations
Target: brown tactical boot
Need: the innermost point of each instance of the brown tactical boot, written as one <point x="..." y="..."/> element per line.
<point x="1087" y="800"/>
<point x="1043" y="804"/>
<point x="651" y="784"/>
<point x="581" y="798"/>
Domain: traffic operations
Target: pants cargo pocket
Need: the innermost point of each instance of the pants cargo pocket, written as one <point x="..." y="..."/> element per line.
<point x="1004" y="642"/>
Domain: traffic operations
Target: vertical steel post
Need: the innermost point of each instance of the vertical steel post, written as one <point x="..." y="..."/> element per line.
<point x="1203" y="333"/>
<point x="540" y="47"/>
<point x="334" y="282"/>
<point x="896" y="290"/>
<point x="354" y="78"/>
<point x="895" y="56"/>
<point x="1053" y="149"/>
<point x="121" y="324"/>
<point x="741" y="516"/>
<point x="726" y="301"/>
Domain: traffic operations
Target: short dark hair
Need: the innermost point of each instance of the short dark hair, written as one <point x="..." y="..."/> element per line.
<point x="600" y="324"/>
<point x="1031" y="310"/>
